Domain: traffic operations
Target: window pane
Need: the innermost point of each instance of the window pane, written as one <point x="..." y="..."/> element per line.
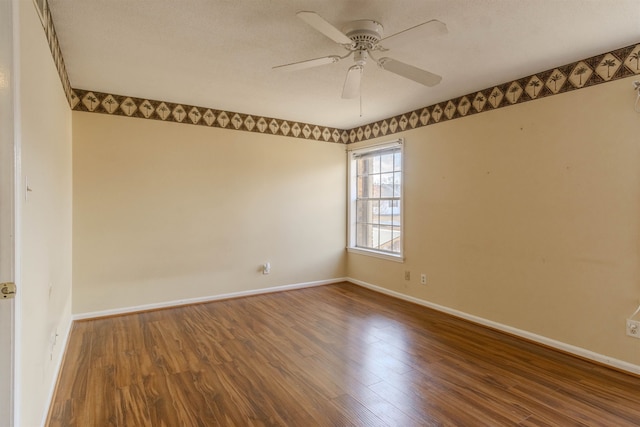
<point x="375" y="186"/>
<point x="367" y="211"/>
<point x="362" y="167"/>
<point x="374" y="207"/>
<point x="397" y="161"/>
<point x="375" y="236"/>
<point x="386" y="211"/>
<point x="361" y="211"/>
<point x="366" y="186"/>
<point x="397" y="182"/>
<point x="360" y="187"/>
<point x="386" y="163"/>
<point x="375" y="164"/>
<point x="396" y="218"/>
<point x="386" y="189"/>
<point x="385" y="234"/>
<point x="395" y="247"/>
<point x="363" y="235"/>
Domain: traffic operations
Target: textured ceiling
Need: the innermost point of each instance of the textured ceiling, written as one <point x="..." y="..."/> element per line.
<point x="219" y="53"/>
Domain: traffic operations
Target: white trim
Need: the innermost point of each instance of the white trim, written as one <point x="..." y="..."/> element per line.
<point x="66" y="333"/>
<point x="375" y="147"/>
<point x="19" y="307"/>
<point x="177" y="303"/>
<point x="351" y="200"/>
<point x="567" y="348"/>
<point x="376" y="254"/>
<point x="10" y="312"/>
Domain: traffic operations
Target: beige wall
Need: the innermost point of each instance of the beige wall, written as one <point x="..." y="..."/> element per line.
<point x="45" y="256"/>
<point x="528" y="216"/>
<point x="525" y="216"/>
<point x="165" y="211"/>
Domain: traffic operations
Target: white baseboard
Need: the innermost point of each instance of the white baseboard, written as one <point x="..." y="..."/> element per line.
<point x="567" y="348"/>
<point x="176" y="303"/>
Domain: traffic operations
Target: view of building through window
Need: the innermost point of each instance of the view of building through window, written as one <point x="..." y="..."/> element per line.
<point x="378" y="189"/>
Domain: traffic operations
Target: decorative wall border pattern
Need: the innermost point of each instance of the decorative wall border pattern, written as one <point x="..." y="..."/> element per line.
<point x="610" y="66"/>
<point x="121" y="105"/>
<point x="614" y="65"/>
<point x="598" y="69"/>
<point x="42" y="6"/>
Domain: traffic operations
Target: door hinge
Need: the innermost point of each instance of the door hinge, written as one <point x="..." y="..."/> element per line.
<point x="7" y="290"/>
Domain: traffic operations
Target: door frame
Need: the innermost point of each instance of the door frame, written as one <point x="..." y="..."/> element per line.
<point x="9" y="205"/>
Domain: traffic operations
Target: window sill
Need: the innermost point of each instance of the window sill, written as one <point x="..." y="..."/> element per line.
<point x="376" y="254"/>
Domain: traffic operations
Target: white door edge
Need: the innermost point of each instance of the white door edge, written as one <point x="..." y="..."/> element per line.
<point x="9" y="143"/>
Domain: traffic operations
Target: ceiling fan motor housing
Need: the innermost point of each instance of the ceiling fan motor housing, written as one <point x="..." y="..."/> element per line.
<point x="364" y="33"/>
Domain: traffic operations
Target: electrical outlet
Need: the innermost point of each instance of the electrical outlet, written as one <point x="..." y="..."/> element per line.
<point x="407" y="275"/>
<point x="633" y="328"/>
<point x="423" y="279"/>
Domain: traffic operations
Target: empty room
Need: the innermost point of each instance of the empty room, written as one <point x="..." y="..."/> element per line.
<point x="320" y="213"/>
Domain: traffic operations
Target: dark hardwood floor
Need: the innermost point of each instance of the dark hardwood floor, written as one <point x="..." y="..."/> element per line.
<point x="336" y="355"/>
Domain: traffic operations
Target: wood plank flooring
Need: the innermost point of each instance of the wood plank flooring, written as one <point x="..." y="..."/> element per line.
<point x="336" y="355"/>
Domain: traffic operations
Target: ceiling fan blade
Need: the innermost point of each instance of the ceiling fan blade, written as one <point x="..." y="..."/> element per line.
<point x="410" y="72"/>
<point x="320" y="24"/>
<point x="351" y="88"/>
<point x="295" y="66"/>
<point x="426" y="29"/>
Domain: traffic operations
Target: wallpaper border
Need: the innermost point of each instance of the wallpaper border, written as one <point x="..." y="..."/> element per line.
<point x="603" y="68"/>
<point x="42" y="8"/>
<point x="617" y="64"/>
<point x="122" y="105"/>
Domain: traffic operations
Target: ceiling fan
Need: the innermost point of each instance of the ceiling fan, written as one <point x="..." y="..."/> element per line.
<point x="360" y="38"/>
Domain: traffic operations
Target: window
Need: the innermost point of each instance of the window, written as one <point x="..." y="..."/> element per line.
<point x="375" y="208"/>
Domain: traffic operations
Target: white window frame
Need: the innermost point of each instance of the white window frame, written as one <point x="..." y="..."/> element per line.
<point x="352" y="194"/>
